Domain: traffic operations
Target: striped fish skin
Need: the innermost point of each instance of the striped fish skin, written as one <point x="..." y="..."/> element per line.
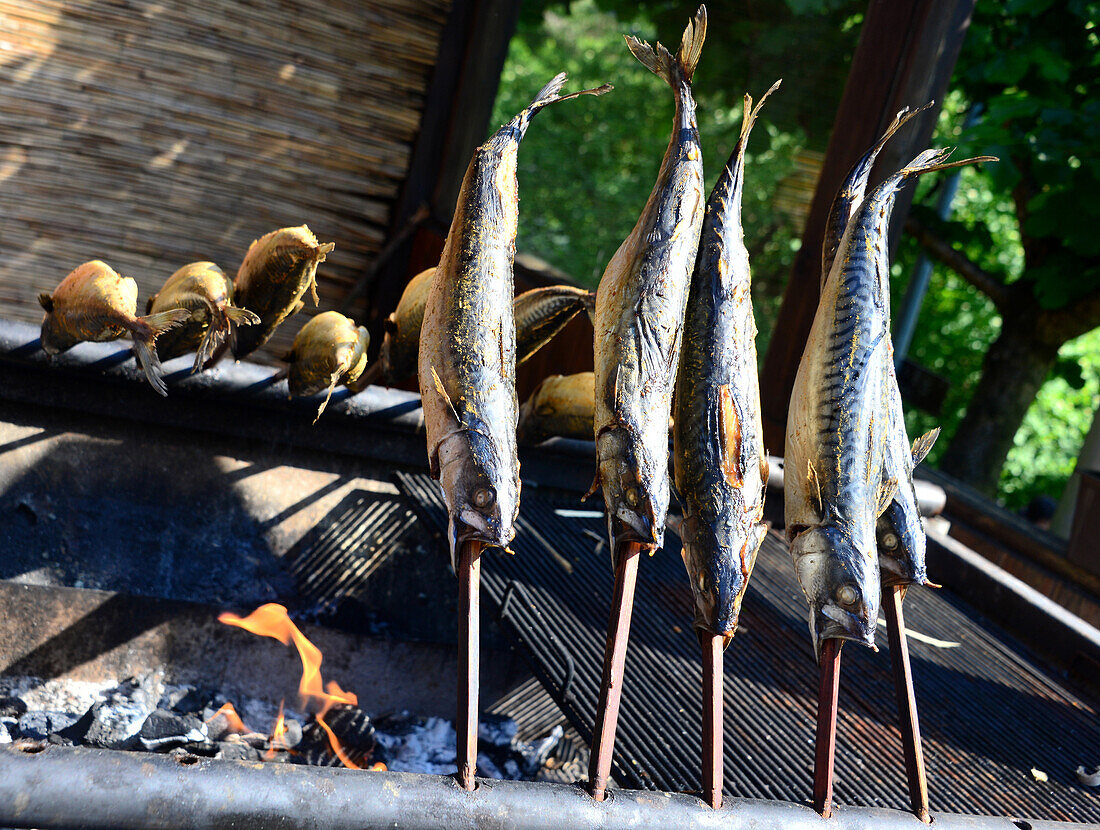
<point x="542" y="313"/>
<point x="467" y="357"/>
<point x="639" y="317"/>
<point x="720" y="466"/>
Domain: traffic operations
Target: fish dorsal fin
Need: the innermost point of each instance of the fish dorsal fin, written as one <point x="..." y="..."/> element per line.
<point x="886" y="492"/>
<point x="814" y="486"/>
<point x="45" y="299"/>
<point x="923" y="444"/>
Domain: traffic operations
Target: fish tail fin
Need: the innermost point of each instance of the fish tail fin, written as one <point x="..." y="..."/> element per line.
<point x="550" y="94"/>
<point x="751" y="112"/>
<point x="145" y="331"/>
<point x="932" y="160"/>
<point x="222" y="321"/>
<point x="658" y="60"/>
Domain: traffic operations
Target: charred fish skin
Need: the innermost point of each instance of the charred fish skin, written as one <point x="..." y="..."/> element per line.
<point x="467" y="359"/>
<point x="329" y="350"/>
<point x="561" y="405"/>
<point x="639" y="316"/>
<point x="542" y="313"/>
<point x="203" y="289"/>
<point x="276" y="272"/>
<point x="720" y="466"/>
<point x="95" y="303"/>
<point x="401" y="341"/>
<point x="838" y="426"/>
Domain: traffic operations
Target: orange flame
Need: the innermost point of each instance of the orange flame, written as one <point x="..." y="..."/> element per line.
<point x="277" y="741"/>
<point x="231" y="716"/>
<point x="272" y="620"/>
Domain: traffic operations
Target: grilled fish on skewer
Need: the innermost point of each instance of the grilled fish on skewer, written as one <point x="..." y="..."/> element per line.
<point x="639" y="316"/>
<point x="720" y="466"/>
<point x="468" y="344"/>
<point x="561" y="405"/>
<point x="329" y="350"/>
<point x="540" y="314"/>
<point x="202" y="289"/>
<point x="401" y="342"/>
<point x="277" y="270"/>
<point x="834" y="487"/>
<point x="94" y="303"/>
<point x="543" y="312"/>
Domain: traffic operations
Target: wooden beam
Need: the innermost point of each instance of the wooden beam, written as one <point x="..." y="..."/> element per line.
<point x="906" y="53"/>
<point x="455" y="120"/>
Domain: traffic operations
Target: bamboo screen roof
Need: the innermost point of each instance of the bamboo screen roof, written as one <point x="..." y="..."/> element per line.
<point x="152" y="134"/>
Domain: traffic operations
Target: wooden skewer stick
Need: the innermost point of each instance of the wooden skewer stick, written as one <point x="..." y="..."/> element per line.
<point x="469" y="631"/>
<point x="907" y="702"/>
<point x="614" y="659"/>
<point x="713" y="649"/>
<point x="826" y="727"/>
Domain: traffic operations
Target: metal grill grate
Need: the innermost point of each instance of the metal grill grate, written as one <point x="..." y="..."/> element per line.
<point x="989" y="714"/>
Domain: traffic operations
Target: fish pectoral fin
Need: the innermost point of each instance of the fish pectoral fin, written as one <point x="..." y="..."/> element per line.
<point x="446" y="398"/>
<point x="814" y="488"/>
<point x="886" y="492"/>
<point x="595" y="486"/>
<point x="923" y="444"/>
<point x="328" y="394"/>
<point x="45" y="299"/>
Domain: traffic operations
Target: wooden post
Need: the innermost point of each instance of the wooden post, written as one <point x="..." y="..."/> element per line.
<point x="469" y="630"/>
<point x="825" y="747"/>
<point x="614" y="660"/>
<point x="906" y="53"/>
<point x="907" y="702"/>
<point x="713" y="744"/>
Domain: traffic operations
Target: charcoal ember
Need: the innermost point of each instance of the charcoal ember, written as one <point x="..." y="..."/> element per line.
<point x="496" y="730"/>
<point x="217" y="725"/>
<point x="535" y="754"/>
<point x="237" y="751"/>
<point x="5" y="735"/>
<point x="206" y="749"/>
<point x="40" y="725"/>
<point x="114" y="722"/>
<point x="291" y="737"/>
<point x="414" y="744"/>
<point x="185" y="699"/>
<point x="12" y="707"/>
<point x="164" y="730"/>
<point x="256" y="740"/>
<point x="353" y="730"/>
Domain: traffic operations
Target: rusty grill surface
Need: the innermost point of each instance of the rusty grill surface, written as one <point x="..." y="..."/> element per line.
<point x="989" y="713"/>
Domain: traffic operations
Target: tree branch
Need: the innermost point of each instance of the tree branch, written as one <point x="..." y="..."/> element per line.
<point x="985" y="282"/>
<point x="1073" y="320"/>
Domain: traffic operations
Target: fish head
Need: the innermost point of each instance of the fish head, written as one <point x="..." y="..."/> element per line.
<point x="635" y="491"/>
<point x="718" y="580"/>
<point x="841" y="582"/>
<point x="902" y="545"/>
<point x="480" y="489"/>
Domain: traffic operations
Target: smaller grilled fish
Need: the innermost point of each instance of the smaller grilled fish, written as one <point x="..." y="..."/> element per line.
<point x="562" y="405"/>
<point x="277" y="271"/>
<point x="543" y="312"/>
<point x="401" y="342"/>
<point x="329" y="350"/>
<point x="93" y="303"/>
<point x="203" y="289"/>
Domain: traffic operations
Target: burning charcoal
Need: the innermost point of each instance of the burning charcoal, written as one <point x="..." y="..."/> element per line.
<point x="207" y="749"/>
<point x="5" y="736"/>
<point x="486" y="768"/>
<point x="534" y="754"/>
<point x="496" y="730"/>
<point x="256" y="740"/>
<point x="185" y="699"/>
<point x="292" y="736"/>
<point x="353" y="730"/>
<point x="12" y="707"/>
<point x="165" y="730"/>
<point x="39" y="725"/>
<point x="408" y="744"/>
<point x="114" y="723"/>
<point x="237" y="751"/>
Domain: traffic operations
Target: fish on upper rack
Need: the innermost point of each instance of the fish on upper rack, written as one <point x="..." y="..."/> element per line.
<point x="561" y="405"/>
<point x="94" y="303"/>
<point x="838" y="426"/>
<point x="540" y="314"/>
<point x="467" y="356"/>
<point x="276" y="273"/>
<point x="720" y="467"/>
<point x="329" y="350"/>
<point x="203" y="289"/>
<point x="640" y="312"/>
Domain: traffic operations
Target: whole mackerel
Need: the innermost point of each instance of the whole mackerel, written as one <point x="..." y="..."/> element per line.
<point x="640" y="312"/>
<point x="543" y="312"/>
<point x="720" y="466"/>
<point x="467" y="360"/>
<point x="838" y="426"/>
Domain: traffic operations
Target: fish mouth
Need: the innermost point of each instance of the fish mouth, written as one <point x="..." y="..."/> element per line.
<point x="638" y="528"/>
<point x="831" y="622"/>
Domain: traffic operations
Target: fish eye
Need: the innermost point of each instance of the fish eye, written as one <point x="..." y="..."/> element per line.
<point x="484" y="496"/>
<point x="631" y="495"/>
<point x="890" y="541"/>
<point x="847" y="595"/>
<point x="703" y="581"/>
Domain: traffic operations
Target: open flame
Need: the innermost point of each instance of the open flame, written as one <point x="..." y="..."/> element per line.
<point x="232" y="718"/>
<point x="272" y="620"/>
